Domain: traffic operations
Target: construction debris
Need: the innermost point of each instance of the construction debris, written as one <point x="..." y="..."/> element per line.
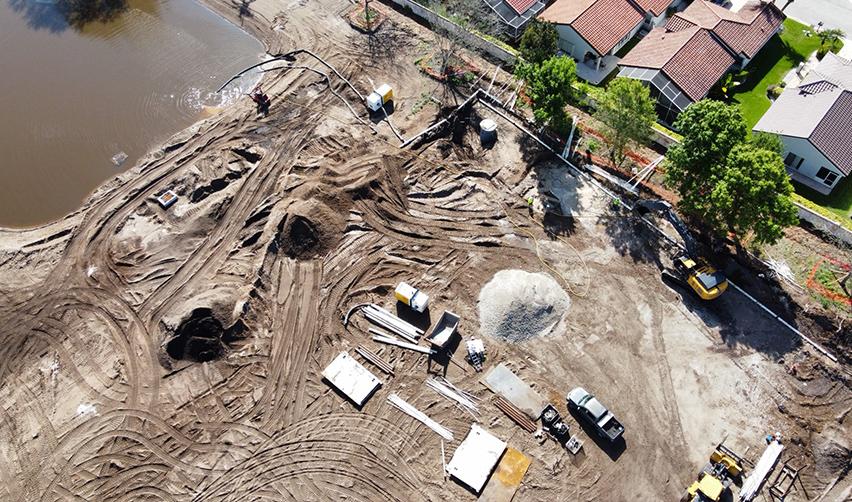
<point x="445" y="388"/>
<point x="574" y="445"/>
<point x="166" y="199"/>
<point x="476" y="353"/>
<point x="553" y="424"/>
<point x="119" y="158"/>
<point x="351" y="378"/>
<point x="515" y="414"/>
<point x="418" y="415"/>
<point x="751" y="485"/>
<point x="381" y="333"/>
<point x="375" y="360"/>
<point x="404" y="345"/>
<point x="784" y="481"/>
<point x="502" y="381"/>
<point x="443" y="461"/>
<point x="381" y="317"/>
<point x="476" y="457"/>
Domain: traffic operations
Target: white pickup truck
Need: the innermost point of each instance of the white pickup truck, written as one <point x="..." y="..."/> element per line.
<point x="595" y="413"/>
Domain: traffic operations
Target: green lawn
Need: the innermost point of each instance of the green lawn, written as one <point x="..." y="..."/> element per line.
<point x="838" y="203"/>
<point x="781" y="54"/>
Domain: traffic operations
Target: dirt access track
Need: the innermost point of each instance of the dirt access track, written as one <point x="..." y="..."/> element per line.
<point x="154" y="354"/>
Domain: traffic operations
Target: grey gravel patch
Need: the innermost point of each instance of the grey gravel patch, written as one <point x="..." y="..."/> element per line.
<point x="516" y="305"/>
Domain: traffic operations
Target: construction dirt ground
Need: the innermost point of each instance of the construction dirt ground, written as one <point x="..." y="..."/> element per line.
<point x="175" y="354"/>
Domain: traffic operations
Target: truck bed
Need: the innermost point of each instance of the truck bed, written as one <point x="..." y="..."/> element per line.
<point x="611" y="427"/>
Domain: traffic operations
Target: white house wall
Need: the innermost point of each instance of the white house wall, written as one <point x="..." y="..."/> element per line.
<point x="814" y="159"/>
<point x="572" y="43"/>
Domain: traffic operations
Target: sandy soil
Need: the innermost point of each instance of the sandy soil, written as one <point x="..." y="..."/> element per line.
<point x="175" y="354"/>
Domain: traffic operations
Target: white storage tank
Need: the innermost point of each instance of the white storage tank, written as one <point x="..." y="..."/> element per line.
<point x="487" y="131"/>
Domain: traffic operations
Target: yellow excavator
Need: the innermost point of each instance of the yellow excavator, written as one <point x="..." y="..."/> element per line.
<point x="714" y="481"/>
<point x="690" y="267"/>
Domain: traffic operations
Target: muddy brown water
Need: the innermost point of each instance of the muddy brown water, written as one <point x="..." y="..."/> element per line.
<point x="70" y="99"/>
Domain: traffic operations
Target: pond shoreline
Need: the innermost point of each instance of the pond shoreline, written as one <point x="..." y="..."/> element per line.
<point x="91" y="174"/>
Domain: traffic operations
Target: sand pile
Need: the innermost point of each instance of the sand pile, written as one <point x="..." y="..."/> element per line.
<point x="516" y="305"/>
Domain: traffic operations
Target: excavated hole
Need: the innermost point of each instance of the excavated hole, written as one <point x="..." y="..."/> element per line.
<point x="303" y="238"/>
<point x="198" y="338"/>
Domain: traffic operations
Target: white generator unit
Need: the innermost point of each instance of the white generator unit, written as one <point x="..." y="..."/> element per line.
<point x="379" y="98"/>
<point x="411" y="296"/>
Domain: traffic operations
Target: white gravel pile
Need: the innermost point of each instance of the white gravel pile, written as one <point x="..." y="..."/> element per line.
<point x="516" y="305"/>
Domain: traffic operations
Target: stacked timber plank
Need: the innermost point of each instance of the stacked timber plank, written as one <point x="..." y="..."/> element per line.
<point x="512" y="411"/>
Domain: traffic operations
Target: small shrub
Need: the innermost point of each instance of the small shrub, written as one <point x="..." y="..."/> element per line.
<point x="593" y="145"/>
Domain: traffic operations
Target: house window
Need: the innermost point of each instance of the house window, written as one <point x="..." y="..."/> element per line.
<point x="827" y="177"/>
<point x="793" y="160"/>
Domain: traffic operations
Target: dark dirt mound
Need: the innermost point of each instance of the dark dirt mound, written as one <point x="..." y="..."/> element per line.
<point x="302" y="237"/>
<point x="201" y="337"/>
<point x="309" y="230"/>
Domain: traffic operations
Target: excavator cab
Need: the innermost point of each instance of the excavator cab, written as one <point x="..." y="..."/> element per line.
<point x="706" y="281"/>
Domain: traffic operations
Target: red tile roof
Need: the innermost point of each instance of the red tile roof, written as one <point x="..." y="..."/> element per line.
<point x="690" y="58"/>
<point x="565" y="11"/>
<point x="655" y="7"/>
<point x="698" y="65"/>
<point x="749" y="38"/>
<point x="602" y="23"/>
<point x="607" y="22"/>
<point x="831" y="135"/>
<point x="744" y="32"/>
<point x="520" y="6"/>
<point x="657" y="48"/>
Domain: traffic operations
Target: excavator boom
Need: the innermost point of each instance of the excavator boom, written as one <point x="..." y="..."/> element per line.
<point x="705" y="280"/>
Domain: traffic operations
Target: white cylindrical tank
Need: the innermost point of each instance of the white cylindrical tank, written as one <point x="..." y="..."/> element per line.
<point x="412" y="296"/>
<point x="487" y="131"/>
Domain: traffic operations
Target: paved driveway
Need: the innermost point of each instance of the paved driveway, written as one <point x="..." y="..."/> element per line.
<point x="833" y="13"/>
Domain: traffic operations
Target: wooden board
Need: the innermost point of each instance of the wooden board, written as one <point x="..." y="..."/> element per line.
<point x="507" y="477"/>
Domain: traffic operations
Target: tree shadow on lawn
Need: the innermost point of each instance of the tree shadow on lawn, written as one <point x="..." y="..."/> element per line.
<point x="766" y="60"/>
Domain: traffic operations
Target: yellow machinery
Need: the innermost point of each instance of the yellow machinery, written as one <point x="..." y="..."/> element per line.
<point x="715" y="479"/>
<point x="706" y="281"/>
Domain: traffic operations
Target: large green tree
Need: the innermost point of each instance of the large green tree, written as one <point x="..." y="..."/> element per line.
<point x="710" y="129"/>
<point x="767" y="141"/>
<point x="627" y="111"/>
<point x="752" y="195"/>
<point x="731" y="183"/>
<point x="539" y="42"/>
<point x="550" y="87"/>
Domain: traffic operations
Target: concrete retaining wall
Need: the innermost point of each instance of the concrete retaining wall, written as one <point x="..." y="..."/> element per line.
<point x="824" y="224"/>
<point x="473" y="40"/>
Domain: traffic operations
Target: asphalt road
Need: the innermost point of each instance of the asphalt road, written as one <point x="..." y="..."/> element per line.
<point x="833" y="13"/>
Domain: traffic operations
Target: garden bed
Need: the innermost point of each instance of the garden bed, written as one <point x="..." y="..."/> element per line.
<point x="358" y="18"/>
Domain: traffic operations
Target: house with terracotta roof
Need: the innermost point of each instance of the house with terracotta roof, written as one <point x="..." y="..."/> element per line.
<point x="592" y="31"/>
<point x="684" y="59"/>
<point x="516" y="14"/>
<point x="814" y="122"/>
